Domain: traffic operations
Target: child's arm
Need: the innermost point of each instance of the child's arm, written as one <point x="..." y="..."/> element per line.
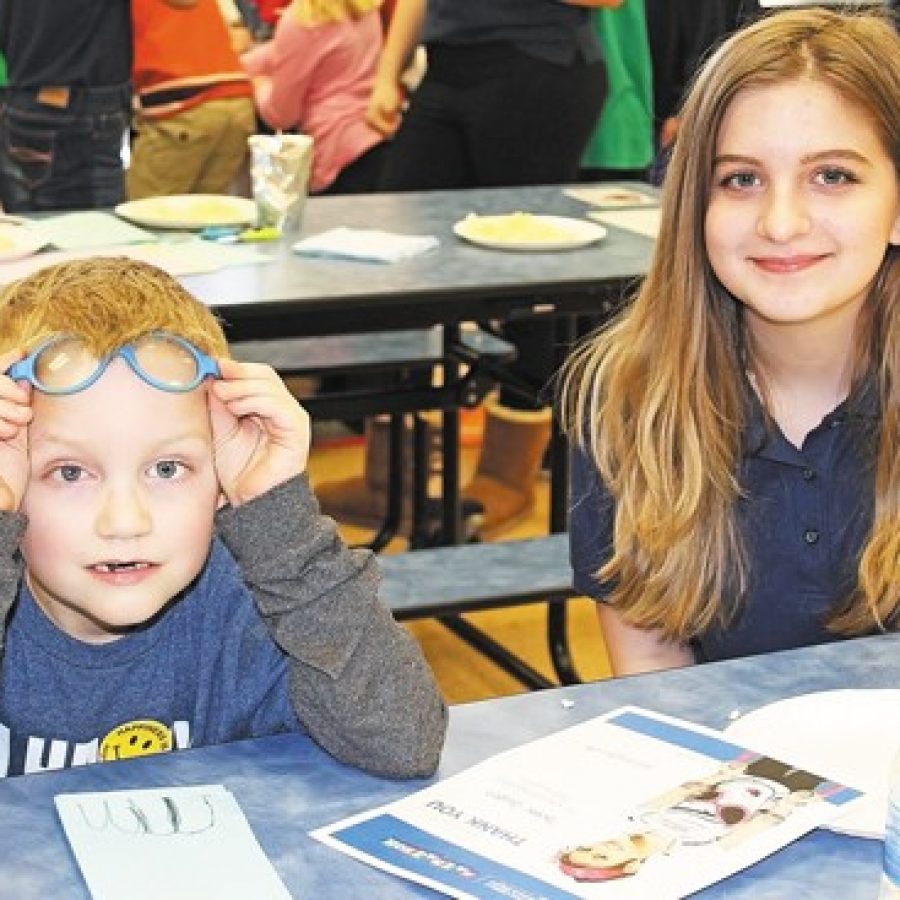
<point x="633" y="650"/>
<point x="591" y="527"/>
<point x="386" y="102"/>
<point x="359" y="683"/>
<point x="15" y="414"/>
<point x="12" y="526"/>
<point x="260" y="433"/>
<point x="285" y="70"/>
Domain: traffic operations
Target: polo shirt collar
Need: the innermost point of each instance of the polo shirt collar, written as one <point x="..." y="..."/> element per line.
<point x="863" y="404"/>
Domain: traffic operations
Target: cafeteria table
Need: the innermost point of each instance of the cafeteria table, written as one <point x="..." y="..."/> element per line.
<point x="458" y="281"/>
<point x="291" y="295"/>
<point x="287" y="786"/>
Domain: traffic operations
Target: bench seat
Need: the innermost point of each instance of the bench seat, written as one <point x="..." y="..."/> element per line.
<point x="450" y="580"/>
<point x="375" y="350"/>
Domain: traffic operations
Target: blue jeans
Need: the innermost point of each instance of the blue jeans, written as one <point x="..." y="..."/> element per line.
<point x="62" y="158"/>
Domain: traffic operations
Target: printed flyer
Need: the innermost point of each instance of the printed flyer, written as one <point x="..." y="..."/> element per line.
<point x="631" y="805"/>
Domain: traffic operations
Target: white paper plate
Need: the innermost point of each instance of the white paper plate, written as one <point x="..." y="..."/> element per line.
<point x="189" y="211"/>
<point x="18" y="241"/>
<point x="527" y="231"/>
<point x="849" y="736"/>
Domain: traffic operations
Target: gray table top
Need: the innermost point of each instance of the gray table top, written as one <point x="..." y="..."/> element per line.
<point x="457" y="282"/>
<point x="287" y="786"/>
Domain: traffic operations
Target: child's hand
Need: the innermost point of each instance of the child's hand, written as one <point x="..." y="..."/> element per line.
<point x="15" y="415"/>
<point x="385" y="108"/>
<point x="260" y="433"/>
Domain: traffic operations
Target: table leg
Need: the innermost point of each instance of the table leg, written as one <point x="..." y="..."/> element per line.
<point x="419" y="534"/>
<point x="496" y="653"/>
<point x="450" y="487"/>
<point x="557" y="637"/>
<point x="396" y="452"/>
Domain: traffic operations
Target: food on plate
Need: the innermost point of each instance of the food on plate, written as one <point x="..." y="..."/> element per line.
<point x="199" y="210"/>
<point x="515" y="228"/>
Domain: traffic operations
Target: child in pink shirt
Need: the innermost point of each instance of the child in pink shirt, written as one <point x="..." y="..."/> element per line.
<point x="316" y="75"/>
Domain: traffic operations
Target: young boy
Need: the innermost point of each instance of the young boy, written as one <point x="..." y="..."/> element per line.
<point x="166" y="579"/>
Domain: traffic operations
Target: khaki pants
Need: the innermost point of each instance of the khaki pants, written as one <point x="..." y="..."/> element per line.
<point x="198" y="151"/>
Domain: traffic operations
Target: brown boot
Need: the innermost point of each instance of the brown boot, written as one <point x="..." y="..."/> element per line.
<point x="511" y="453"/>
<point x="363" y="499"/>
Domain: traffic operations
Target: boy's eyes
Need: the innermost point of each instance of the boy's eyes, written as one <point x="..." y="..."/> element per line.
<point x="167" y="469"/>
<point x="69" y="473"/>
<point x="164" y="469"/>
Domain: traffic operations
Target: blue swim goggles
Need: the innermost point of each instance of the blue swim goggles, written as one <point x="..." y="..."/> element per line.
<point x="63" y="364"/>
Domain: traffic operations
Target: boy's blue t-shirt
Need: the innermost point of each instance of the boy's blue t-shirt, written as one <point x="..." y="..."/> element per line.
<point x="204" y="672"/>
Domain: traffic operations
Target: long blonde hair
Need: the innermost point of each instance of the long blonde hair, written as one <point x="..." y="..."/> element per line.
<point x="321" y="12"/>
<point x="659" y="399"/>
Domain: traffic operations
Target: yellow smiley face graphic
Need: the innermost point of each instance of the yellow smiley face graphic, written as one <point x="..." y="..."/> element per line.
<point x="141" y="738"/>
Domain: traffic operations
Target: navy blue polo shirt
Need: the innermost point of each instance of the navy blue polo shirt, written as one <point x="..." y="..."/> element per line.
<point x="804" y="520"/>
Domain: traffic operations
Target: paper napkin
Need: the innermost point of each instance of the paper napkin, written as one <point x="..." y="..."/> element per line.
<point x="365" y="245"/>
<point x="82" y="230"/>
<point x="641" y="221"/>
<point x="167" y="842"/>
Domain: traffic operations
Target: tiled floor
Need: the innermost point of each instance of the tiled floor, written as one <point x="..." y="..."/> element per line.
<point x="463" y="673"/>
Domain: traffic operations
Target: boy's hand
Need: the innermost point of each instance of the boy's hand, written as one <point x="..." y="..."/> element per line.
<point x="15" y="415"/>
<point x="260" y="433"/>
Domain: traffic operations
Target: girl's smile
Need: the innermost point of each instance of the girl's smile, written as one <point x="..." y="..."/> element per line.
<point x="787" y="265"/>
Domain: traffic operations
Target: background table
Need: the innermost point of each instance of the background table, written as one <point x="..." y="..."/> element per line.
<point x="294" y="296"/>
<point x="458" y="282"/>
<point x="287" y="786"/>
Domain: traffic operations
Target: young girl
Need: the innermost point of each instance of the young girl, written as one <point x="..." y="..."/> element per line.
<point x="316" y="74"/>
<point x="736" y="477"/>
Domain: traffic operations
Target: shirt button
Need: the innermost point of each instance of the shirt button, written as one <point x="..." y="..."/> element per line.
<point x="809" y="474"/>
<point x="811" y="536"/>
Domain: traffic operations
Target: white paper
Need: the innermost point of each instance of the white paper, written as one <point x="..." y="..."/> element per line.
<point x="365" y="245"/>
<point x="191" y="257"/>
<point x="611" y="196"/>
<point x="642" y="221"/>
<point x="167" y="842"/>
<point x="628" y="806"/>
<point x="787" y="4"/>
<point x="82" y="230"/>
<point x="851" y="734"/>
